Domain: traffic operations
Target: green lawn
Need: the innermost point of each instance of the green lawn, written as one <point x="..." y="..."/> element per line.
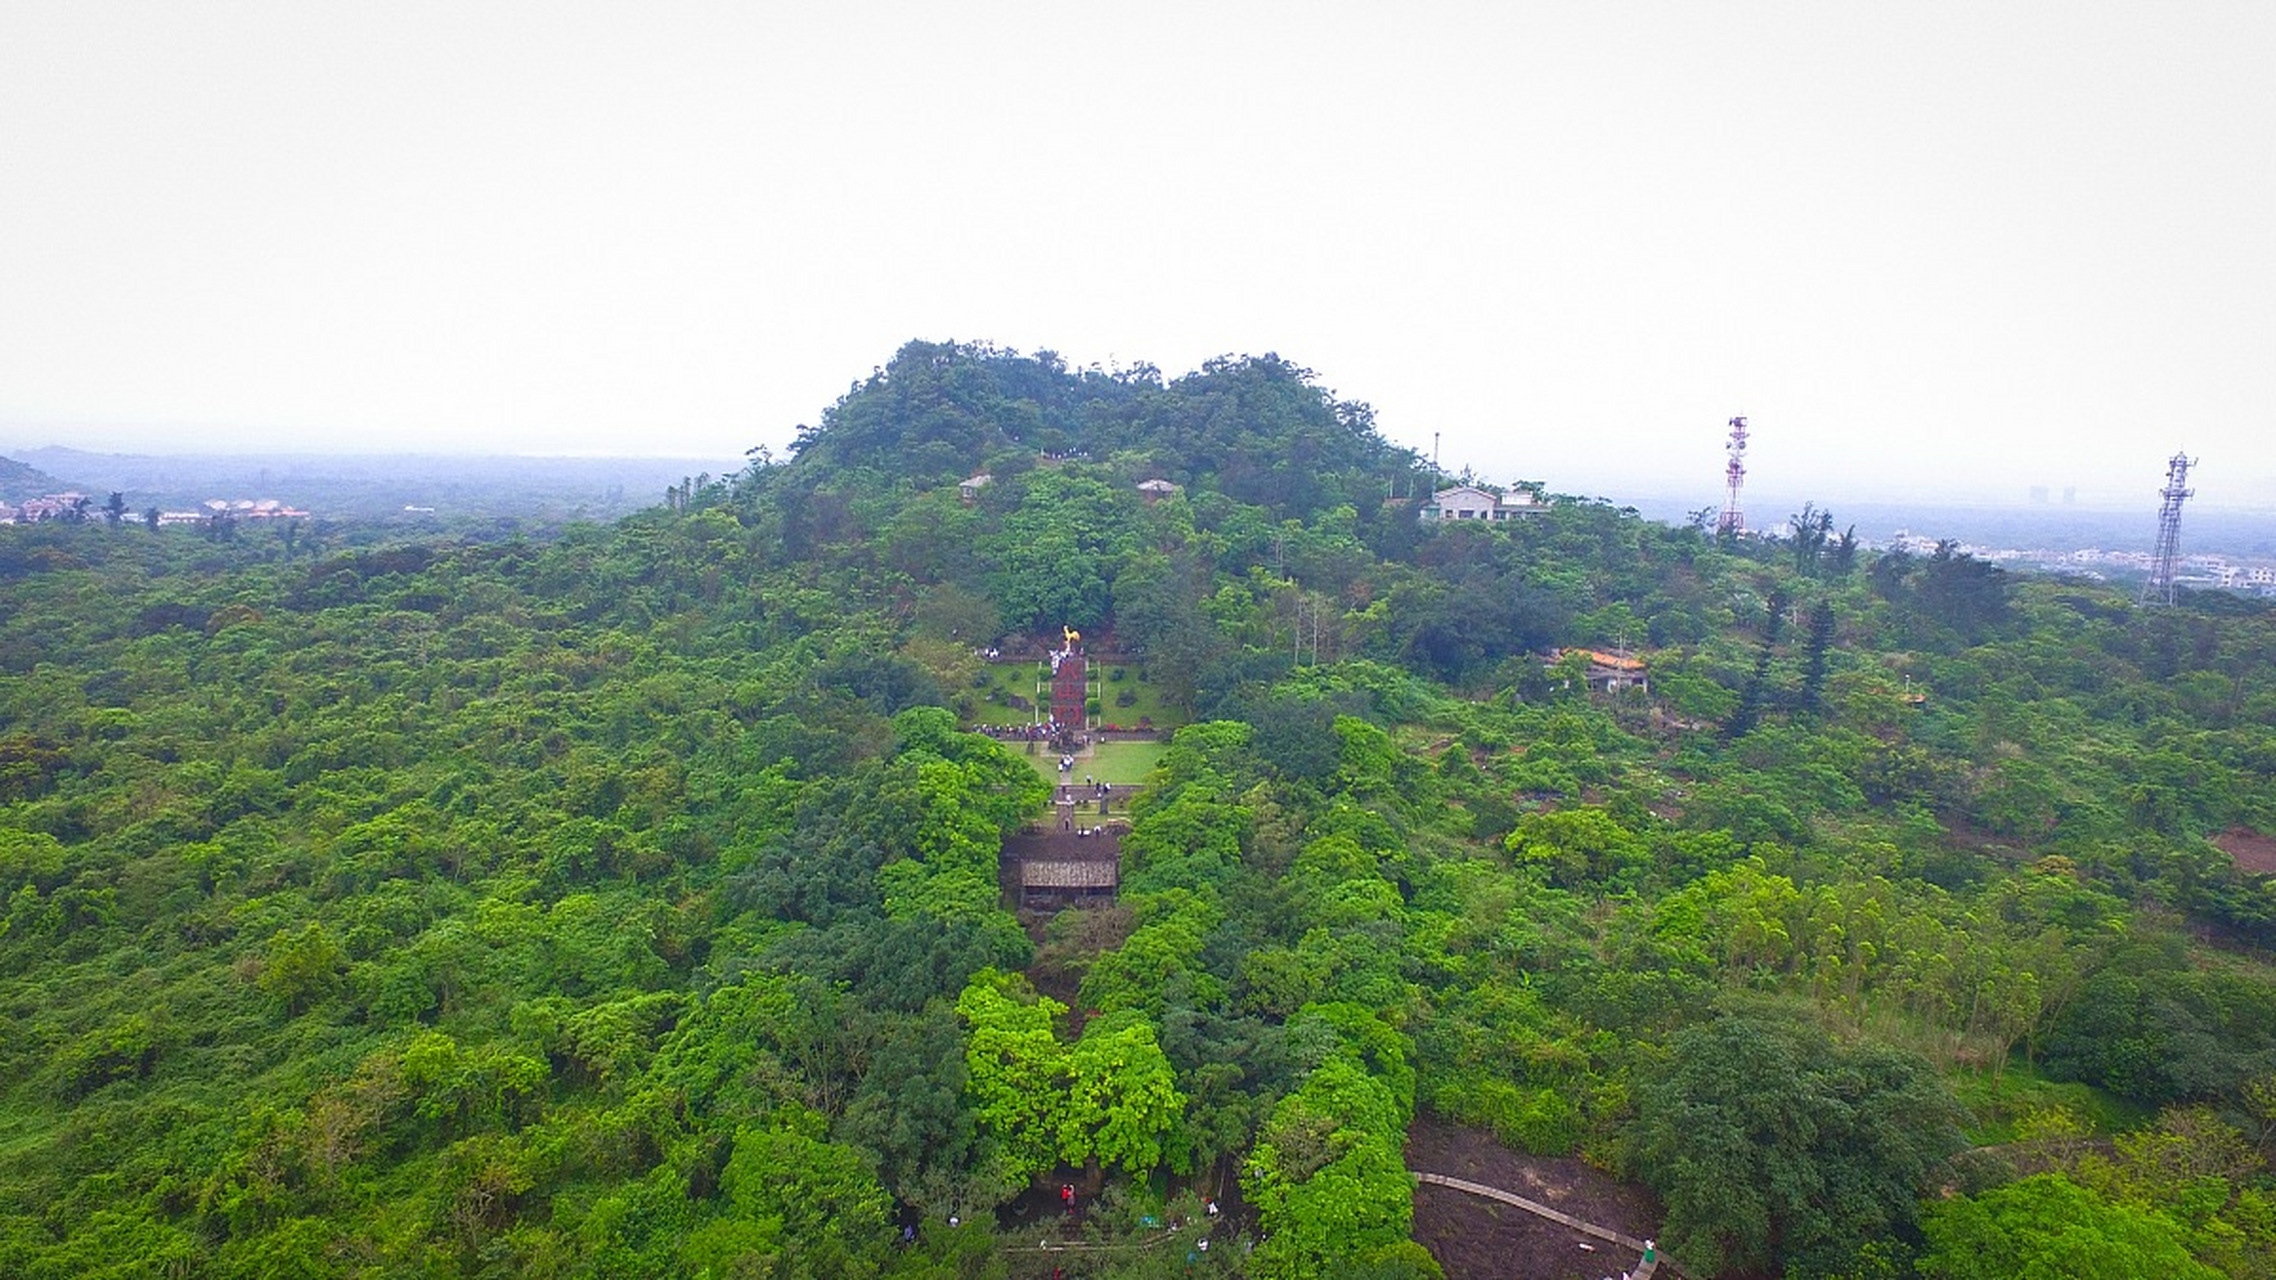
<point x="992" y="701"/>
<point x="1124" y="764"/>
<point x="1145" y="701"/>
<point x="1004" y="686"/>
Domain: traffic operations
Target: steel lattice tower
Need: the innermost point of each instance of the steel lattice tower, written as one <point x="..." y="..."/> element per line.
<point x="1733" y="521"/>
<point x="2159" y="588"/>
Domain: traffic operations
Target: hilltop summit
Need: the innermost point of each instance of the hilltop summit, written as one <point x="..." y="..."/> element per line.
<point x="1255" y="428"/>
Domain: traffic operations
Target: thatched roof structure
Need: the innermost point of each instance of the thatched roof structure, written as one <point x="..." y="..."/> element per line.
<point x="1067" y="873"/>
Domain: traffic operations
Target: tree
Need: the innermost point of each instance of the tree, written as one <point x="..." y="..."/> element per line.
<point x="1814" y="659"/>
<point x="1122" y="1100"/>
<point x="910" y="1108"/>
<point x="115" y="509"/>
<point x="1842" y="558"/>
<point x="820" y="1192"/>
<point x="1578" y="847"/>
<point x="1055" y="555"/>
<point x="1014" y="1068"/>
<point x="1774" y="1146"/>
<point x="1754" y="693"/>
<point x="1811" y="527"/>
<point x="1326" y="1177"/>
<point x="303" y="967"/>
<point x="1955" y="590"/>
<point x="1157" y="609"/>
<point x="2050" y="1228"/>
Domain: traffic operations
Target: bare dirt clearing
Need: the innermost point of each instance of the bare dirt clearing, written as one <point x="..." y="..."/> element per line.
<point x="1474" y="1238"/>
<point x="2252" y="851"/>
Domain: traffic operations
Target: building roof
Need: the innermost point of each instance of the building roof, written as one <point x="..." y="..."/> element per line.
<point x="1058" y="873"/>
<point x="1597" y="658"/>
<point x="1470" y="497"/>
<point x="1444" y="496"/>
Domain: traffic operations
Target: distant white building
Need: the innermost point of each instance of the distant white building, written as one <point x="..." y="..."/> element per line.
<point x="68" y="505"/>
<point x="1469" y="502"/>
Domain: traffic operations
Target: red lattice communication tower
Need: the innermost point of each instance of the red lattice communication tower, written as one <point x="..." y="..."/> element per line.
<point x="2159" y="588"/>
<point x="1733" y="521"/>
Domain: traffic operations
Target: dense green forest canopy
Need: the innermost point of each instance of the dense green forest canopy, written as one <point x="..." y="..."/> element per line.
<point x="1256" y="429"/>
<point x="626" y="903"/>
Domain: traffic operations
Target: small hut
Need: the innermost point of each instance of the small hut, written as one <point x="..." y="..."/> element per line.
<point x="1608" y="672"/>
<point x="1046" y="880"/>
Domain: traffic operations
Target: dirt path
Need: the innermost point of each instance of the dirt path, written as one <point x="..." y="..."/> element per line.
<point x="1475" y="1238"/>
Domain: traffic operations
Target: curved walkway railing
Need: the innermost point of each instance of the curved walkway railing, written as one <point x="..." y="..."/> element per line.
<point x="1644" y="1248"/>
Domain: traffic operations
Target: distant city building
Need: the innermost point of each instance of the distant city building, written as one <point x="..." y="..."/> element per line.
<point x="248" y="509"/>
<point x="77" y="506"/>
<point x="69" y="505"/>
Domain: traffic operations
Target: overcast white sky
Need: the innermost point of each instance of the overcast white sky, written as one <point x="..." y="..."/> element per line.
<point x="1919" y="244"/>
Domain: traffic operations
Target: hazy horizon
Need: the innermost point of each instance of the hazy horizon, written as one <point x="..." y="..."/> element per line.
<point x="1923" y="247"/>
<point x="1766" y="506"/>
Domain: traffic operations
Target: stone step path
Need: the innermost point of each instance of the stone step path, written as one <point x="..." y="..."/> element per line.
<point x="1644" y="1248"/>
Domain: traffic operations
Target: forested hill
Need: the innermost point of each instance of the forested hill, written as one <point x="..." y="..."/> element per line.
<point x="19" y="481"/>
<point x="628" y="903"/>
<point x="1256" y="429"/>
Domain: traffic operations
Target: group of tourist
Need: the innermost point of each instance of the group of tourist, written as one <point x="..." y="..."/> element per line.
<point x="1019" y="732"/>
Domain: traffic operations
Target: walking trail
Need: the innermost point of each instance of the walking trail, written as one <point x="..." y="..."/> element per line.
<point x="1645" y="1249"/>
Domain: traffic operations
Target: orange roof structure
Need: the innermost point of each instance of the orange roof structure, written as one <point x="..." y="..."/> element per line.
<point x="1597" y="658"/>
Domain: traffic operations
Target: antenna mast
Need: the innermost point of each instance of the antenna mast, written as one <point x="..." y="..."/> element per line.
<point x="1733" y="521"/>
<point x="2159" y="588"/>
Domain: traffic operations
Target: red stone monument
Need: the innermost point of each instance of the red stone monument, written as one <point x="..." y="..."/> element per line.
<point x="1070" y="684"/>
